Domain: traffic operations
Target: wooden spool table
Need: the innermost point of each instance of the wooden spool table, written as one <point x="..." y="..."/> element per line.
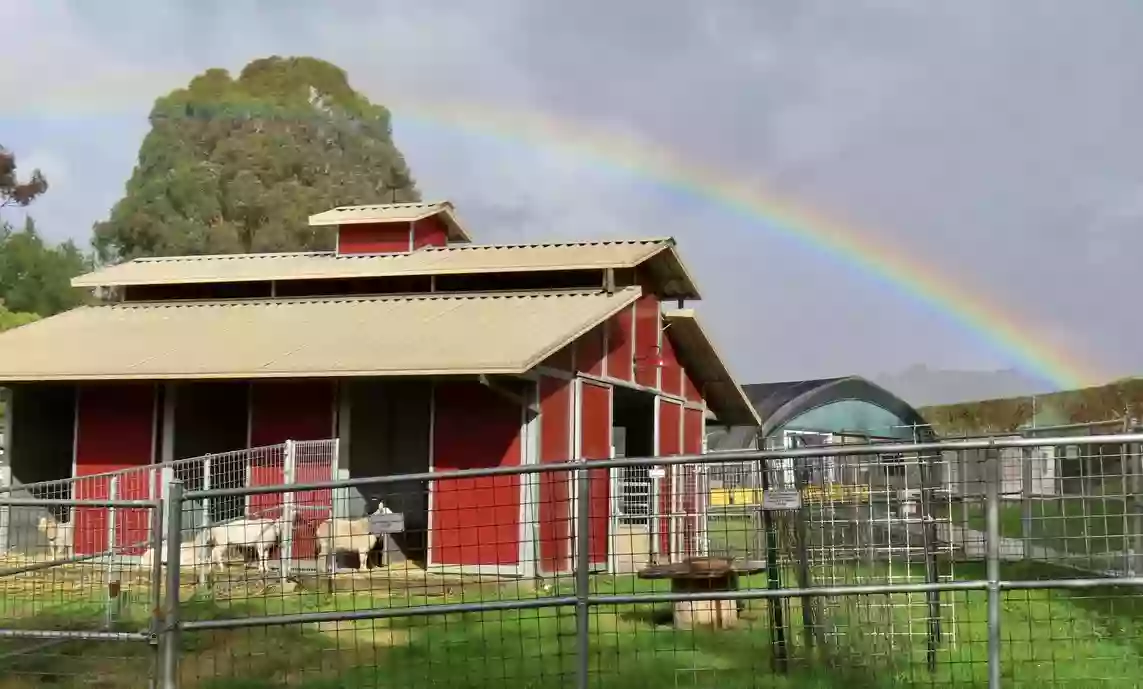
<point x="701" y="575"/>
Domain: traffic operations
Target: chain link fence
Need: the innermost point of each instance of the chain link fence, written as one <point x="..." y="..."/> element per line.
<point x="855" y="569"/>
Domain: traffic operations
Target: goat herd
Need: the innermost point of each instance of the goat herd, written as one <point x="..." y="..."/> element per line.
<point x="212" y="545"/>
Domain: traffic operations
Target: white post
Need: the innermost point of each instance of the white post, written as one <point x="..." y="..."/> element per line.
<point x="206" y="485"/>
<point x="5" y="510"/>
<point x="286" y="546"/>
<point x="111" y="576"/>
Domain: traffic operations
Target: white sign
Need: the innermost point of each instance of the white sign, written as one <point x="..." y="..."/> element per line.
<point x="781" y="500"/>
<point x="657" y="472"/>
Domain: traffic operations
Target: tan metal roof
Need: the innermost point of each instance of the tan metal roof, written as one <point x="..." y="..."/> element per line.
<point x="464" y="259"/>
<point x="376" y="336"/>
<point x="723" y="395"/>
<point x="394" y="212"/>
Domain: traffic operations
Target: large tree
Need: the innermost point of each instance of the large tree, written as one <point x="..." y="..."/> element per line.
<point x="35" y="277"/>
<point x="237" y="165"/>
<point x="13" y="192"/>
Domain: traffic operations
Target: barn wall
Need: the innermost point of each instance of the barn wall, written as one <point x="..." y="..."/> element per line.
<point x="555" y="511"/>
<point x="115" y="430"/>
<point x="429" y="231"/>
<point x="670" y="443"/>
<point x="475" y="521"/>
<point x="671" y="372"/>
<point x="647" y="335"/>
<point x="595" y="443"/>
<point x="620" y="344"/>
<point x="591" y="351"/>
<point x="374" y="238"/>
<point x="389" y="434"/>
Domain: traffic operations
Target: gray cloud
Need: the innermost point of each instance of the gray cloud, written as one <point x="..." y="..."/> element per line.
<point x="995" y="141"/>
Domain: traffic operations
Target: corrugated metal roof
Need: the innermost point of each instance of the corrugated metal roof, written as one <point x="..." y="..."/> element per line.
<point x="723" y="395"/>
<point x="464" y="259"/>
<point x="393" y="212"/>
<point x="408" y="335"/>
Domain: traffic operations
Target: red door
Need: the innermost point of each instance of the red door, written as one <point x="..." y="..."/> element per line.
<point x="114" y="432"/>
<point x="475" y="521"/>
<point x="670" y="443"/>
<point x="595" y="443"/>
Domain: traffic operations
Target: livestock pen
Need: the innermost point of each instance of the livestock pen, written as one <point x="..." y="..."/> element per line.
<point x="836" y="605"/>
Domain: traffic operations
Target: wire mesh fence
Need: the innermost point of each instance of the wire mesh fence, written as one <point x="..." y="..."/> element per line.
<point x="857" y="567"/>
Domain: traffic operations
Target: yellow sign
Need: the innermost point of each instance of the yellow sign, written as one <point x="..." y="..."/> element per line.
<point x="834" y="493"/>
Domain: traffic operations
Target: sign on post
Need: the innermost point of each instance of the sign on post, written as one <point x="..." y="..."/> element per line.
<point x="781" y="500"/>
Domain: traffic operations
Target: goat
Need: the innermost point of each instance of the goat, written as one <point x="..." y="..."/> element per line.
<point x="260" y="534"/>
<point x="336" y="535"/>
<point x="60" y="536"/>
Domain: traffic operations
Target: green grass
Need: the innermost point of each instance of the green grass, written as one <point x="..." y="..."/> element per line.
<point x="1072" y="525"/>
<point x="1074" y="640"/>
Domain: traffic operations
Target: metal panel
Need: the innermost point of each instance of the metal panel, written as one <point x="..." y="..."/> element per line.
<point x="421" y="335"/>
<point x="450" y="260"/>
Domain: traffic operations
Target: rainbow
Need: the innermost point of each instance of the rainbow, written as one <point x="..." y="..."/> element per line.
<point x="904" y="274"/>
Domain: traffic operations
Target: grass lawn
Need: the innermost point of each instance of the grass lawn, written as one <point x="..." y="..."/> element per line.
<point x="1071" y="525"/>
<point x="1078" y="640"/>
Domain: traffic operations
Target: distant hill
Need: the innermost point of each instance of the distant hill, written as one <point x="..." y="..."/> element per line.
<point x="925" y="387"/>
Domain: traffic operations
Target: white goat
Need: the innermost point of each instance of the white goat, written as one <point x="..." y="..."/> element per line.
<point x="189" y="556"/>
<point x="337" y="535"/>
<point x="260" y="534"/>
<point x="60" y="536"/>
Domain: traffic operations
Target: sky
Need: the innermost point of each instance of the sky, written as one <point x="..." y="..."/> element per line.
<point x="995" y="142"/>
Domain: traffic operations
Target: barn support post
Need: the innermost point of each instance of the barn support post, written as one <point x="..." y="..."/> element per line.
<point x="111" y="574"/>
<point x="5" y="510"/>
<point x="286" y="545"/>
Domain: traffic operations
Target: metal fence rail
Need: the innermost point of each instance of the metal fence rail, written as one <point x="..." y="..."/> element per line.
<point x="855" y="570"/>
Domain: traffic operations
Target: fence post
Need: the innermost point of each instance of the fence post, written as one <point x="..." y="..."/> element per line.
<point x="286" y="544"/>
<point x="156" y="536"/>
<point x="582" y="575"/>
<point x="993" y="474"/>
<point x="110" y="578"/>
<point x="1027" y="456"/>
<point x="169" y="671"/>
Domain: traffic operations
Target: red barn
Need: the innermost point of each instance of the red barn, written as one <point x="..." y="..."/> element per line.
<point x="417" y="349"/>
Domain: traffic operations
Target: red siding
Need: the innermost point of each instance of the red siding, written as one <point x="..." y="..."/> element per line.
<point x="619" y="344"/>
<point x="564" y="360"/>
<point x="595" y="443"/>
<point x="555" y="487"/>
<point x="114" y="432"/>
<point x="646" y="340"/>
<point x="429" y="231"/>
<point x="671" y="378"/>
<point x="291" y="410"/>
<point x="690" y="389"/>
<point x="589" y="352"/>
<point x="373" y="238"/>
<point x="670" y="418"/>
<point x="475" y="521"/>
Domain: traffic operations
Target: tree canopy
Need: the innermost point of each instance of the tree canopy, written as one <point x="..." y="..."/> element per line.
<point x="237" y="165"/>
<point x="35" y="277"/>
